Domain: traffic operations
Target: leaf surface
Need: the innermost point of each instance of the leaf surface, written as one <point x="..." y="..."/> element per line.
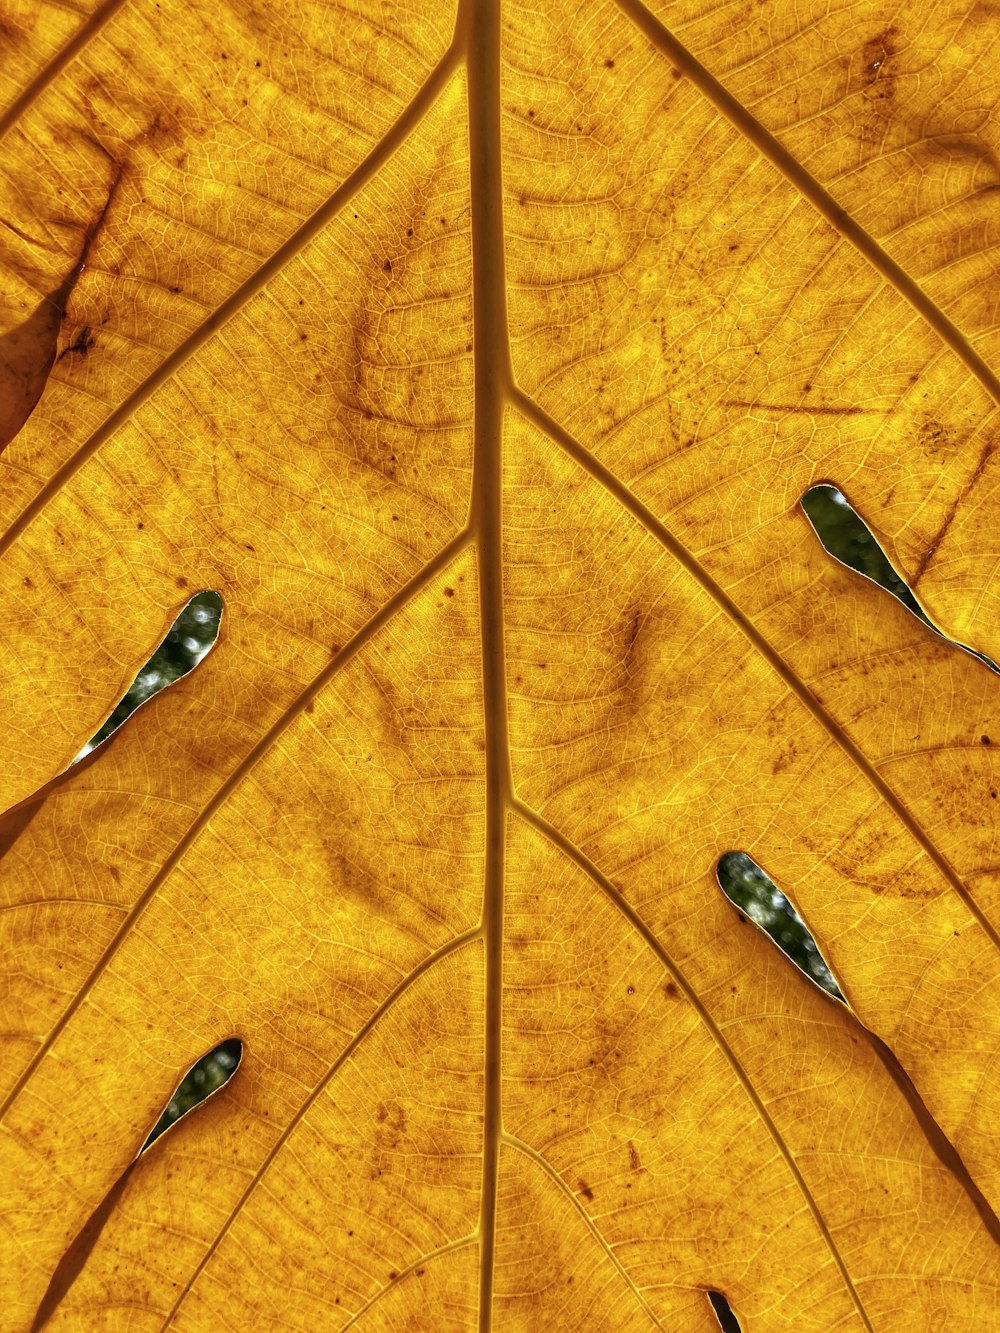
<point x="479" y="359"/>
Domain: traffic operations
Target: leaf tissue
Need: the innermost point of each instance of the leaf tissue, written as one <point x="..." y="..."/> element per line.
<point x="478" y="358"/>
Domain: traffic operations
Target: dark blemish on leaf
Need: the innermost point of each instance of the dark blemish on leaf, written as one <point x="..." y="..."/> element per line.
<point x="393" y="1274"/>
<point x="876" y="52"/>
<point x="311" y="706"/>
<point x="28" y="352"/>
<point x="670" y="990"/>
<point x="449" y="592"/>
<point x="985" y="740"/>
<point x="585" y="1189"/>
<point x="633" y="1156"/>
<point x="81" y="345"/>
<point x="609" y="63"/>
<point x="629" y="990"/>
<point x="387" y="266"/>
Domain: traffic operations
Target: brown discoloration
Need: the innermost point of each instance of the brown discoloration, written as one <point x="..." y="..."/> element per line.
<point x="585" y="1189"/>
<point x="809" y="409"/>
<point x="633" y="1157"/>
<point x="671" y="991"/>
<point x="80" y="345"/>
<point x="875" y="55"/>
<point x="28" y="352"/>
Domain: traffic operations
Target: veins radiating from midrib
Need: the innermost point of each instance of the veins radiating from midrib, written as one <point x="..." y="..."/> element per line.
<point x="345" y="1054"/>
<point x="621" y="493"/>
<point x="238" y="299"/>
<point x="340" y="659"/>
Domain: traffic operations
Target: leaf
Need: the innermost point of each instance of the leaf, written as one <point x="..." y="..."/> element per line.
<point x="480" y="361"/>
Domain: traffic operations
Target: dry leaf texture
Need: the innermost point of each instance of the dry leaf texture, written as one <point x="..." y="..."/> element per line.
<point x="479" y="358"/>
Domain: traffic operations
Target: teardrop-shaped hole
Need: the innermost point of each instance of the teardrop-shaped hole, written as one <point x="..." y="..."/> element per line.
<point x="757" y="896"/>
<point x="723" y="1312"/>
<point x="202" y="1079"/>
<point x="186" y="642"/>
<point x="846" y="536"/>
<point x="212" y="1072"/>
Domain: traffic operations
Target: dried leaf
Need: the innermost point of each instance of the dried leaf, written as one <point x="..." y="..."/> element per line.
<point x="480" y="360"/>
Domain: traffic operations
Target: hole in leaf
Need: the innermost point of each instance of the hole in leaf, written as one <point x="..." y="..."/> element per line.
<point x="210" y="1073"/>
<point x="755" y="893"/>
<point x="846" y="536"/>
<point x="186" y="642"/>
<point x="727" y="1320"/>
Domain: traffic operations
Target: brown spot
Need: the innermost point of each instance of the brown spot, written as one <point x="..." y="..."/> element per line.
<point x="609" y="63"/>
<point x="670" y="990"/>
<point x="633" y="1156"/>
<point x="874" y="55"/>
<point x="387" y="266"/>
<point x="449" y="592"/>
<point x="311" y="706"/>
<point x="585" y="1189"/>
<point x="985" y="740"/>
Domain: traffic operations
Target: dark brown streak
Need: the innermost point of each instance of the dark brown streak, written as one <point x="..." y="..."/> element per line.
<point x="810" y="189"/>
<point x="479" y="24"/>
<point x="807" y="409"/>
<point x="683" y="556"/>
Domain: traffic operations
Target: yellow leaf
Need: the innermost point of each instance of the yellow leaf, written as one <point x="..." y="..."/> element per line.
<point x="479" y="359"/>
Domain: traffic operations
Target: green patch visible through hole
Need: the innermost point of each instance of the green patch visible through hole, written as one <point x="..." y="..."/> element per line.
<point x="846" y="536"/>
<point x="755" y="893"/>
<point x="209" y="1074"/>
<point x="187" y="641"/>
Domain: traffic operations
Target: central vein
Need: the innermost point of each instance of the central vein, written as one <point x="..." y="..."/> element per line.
<point x="480" y="23"/>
